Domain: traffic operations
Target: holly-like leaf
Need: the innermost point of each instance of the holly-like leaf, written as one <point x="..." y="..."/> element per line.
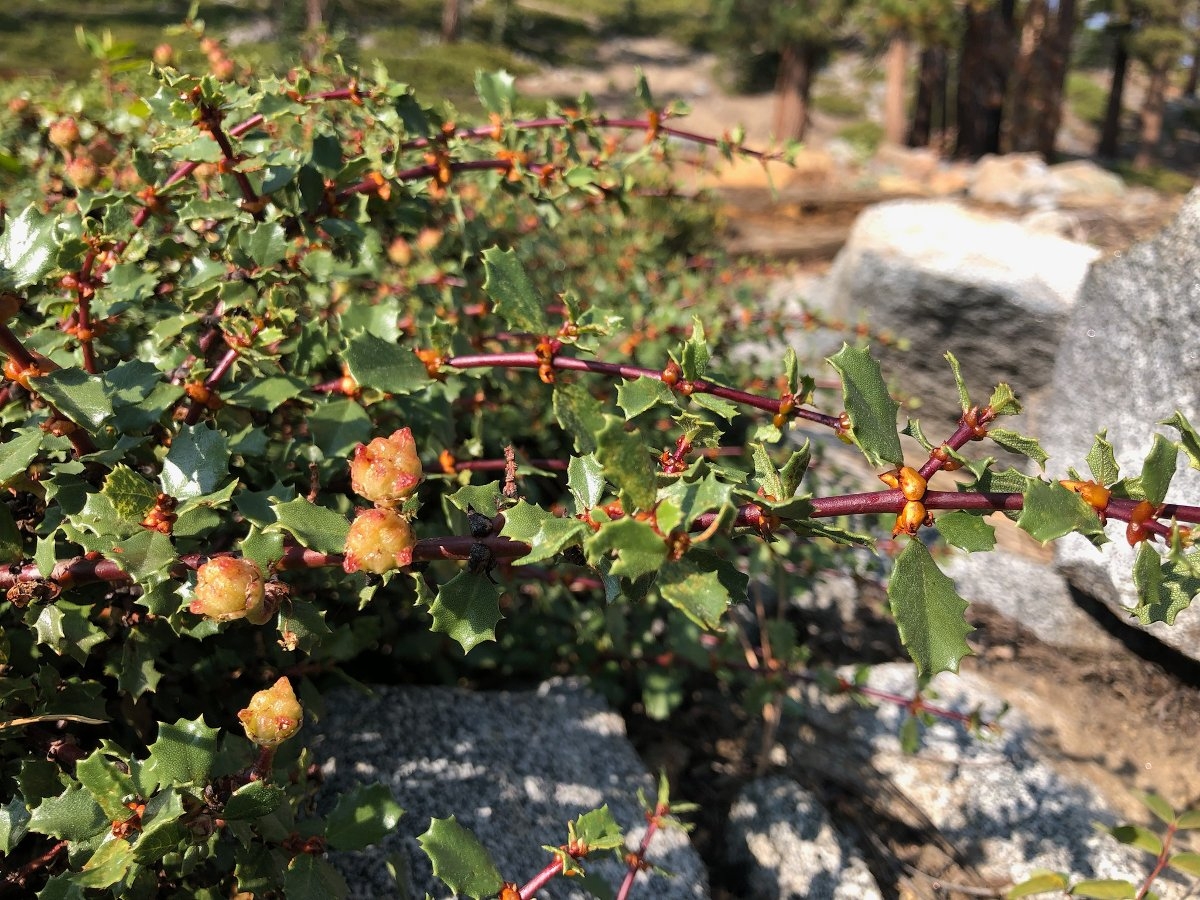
<point x="467" y="609"/>
<point x="384" y="366"/>
<point x="1003" y="401"/>
<point x="485" y="499"/>
<point x="108" y="785"/>
<point x="1051" y="511"/>
<point x="516" y="299"/>
<point x="547" y="534"/>
<point x="639" y="548"/>
<point x="1159" y="469"/>
<point x="1165" y="588"/>
<point x="627" y="464"/>
<point x="697" y="586"/>
<point x="196" y="463"/>
<point x="701" y="495"/>
<point x="253" y="801"/>
<point x="642" y="394"/>
<point x="362" y="817"/>
<point x="130" y="495"/>
<point x="27" y="249"/>
<point x="310" y="877"/>
<point x="16" y="454"/>
<point x="313" y="526"/>
<point x="1019" y="443"/>
<point x="73" y="815"/>
<point x="964" y="398"/>
<point x="585" y="480"/>
<point x="459" y="860"/>
<point x="597" y="830"/>
<point x="1189" y="439"/>
<point x="262" y="244"/>
<point x="496" y="91"/>
<point x="1102" y="461"/>
<point x="338" y="425"/>
<point x="14" y="824"/>
<point x="929" y="614"/>
<point x="183" y="754"/>
<point x="80" y="397"/>
<point x="870" y="407"/>
<point x="579" y="414"/>
<point x="694" y="356"/>
<point x="965" y="530"/>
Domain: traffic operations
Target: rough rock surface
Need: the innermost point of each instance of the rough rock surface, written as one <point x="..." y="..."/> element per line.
<point x="1003" y="809"/>
<point x="1029" y="592"/>
<point x="994" y="293"/>
<point x="1129" y="358"/>
<point x="514" y="767"/>
<point x="783" y="838"/>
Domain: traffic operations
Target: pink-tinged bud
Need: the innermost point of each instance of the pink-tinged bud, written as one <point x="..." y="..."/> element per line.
<point x="387" y="470"/>
<point x="379" y="541"/>
<point x="273" y="715"/>
<point x="82" y="172"/>
<point x="164" y="55"/>
<point x="229" y="588"/>
<point x="64" y="134"/>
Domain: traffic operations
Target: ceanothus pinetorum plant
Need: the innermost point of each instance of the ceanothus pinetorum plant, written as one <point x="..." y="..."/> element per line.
<point x="299" y="371"/>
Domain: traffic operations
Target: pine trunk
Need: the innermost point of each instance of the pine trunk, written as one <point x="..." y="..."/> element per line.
<point x="451" y="10"/>
<point x="895" y="68"/>
<point x="1151" y="119"/>
<point x="984" y="63"/>
<point x="792" y="87"/>
<point x="1189" y="89"/>
<point x="1110" y="134"/>
<point x="1039" y="77"/>
<point x="931" y="94"/>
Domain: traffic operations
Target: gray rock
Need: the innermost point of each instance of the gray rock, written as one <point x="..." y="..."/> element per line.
<point x="1028" y="592"/>
<point x="994" y="293"/>
<point x="1129" y="358"/>
<point x="783" y="837"/>
<point x="1016" y="179"/>
<point x="1003" y="809"/>
<point x="1083" y="184"/>
<point x="514" y="767"/>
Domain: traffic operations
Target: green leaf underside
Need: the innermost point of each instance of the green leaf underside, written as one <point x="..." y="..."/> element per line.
<point x="1188" y="863"/>
<point x="547" y="534"/>
<point x="1102" y="460"/>
<point x="1019" y="443"/>
<point x="964" y="398"/>
<point x="928" y="612"/>
<point x="1043" y="883"/>
<point x="460" y="860"/>
<point x="639" y="549"/>
<point x="967" y="531"/>
<point x="1159" y="469"/>
<point x="871" y="409"/>
<point x="516" y="298"/>
<point x="1189" y="439"/>
<point x="642" y="394"/>
<point x="1104" y="889"/>
<point x="467" y="609"/>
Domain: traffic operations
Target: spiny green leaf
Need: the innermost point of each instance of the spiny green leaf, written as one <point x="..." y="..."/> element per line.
<point x="627" y="464"/>
<point x="1019" y="443"/>
<point x="338" y="425"/>
<point x="16" y="454"/>
<point x="1102" y="461"/>
<point x="694" y="356"/>
<point x="253" y="801"/>
<point x="496" y="91"/>
<point x="73" y="815"/>
<point x="108" y="865"/>
<point x="516" y="299"/>
<point x="967" y="531"/>
<point x="579" y="414"/>
<point x="546" y="533"/>
<point x="1051" y="511"/>
<point x="597" y="830"/>
<point x="871" y="409"/>
<point x="384" y="366"/>
<point x="1104" y="889"/>
<point x="642" y="394"/>
<point x="362" y="817"/>
<point x="585" y="480"/>
<point x="80" y="397"/>
<point x="1042" y="883"/>
<point x="313" y="526"/>
<point x="310" y="877"/>
<point x="1159" y="469"/>
<point x="722" y="407"/>
<point x="467" y="609"/>
<point x="696" y="588"/>
<point x="107" y="784"/>
<point x="183" y="754"/>
<point x="485" y="499"/>
<point x="964" y="398"/>
<point x="263" y="244"/>
<point x="14" y="823"/>
<point x="131" y="495"/>
<point x="459" y="859"/>
<point x="928" y="612"/>
<point x="640" y="550"/>
<point x="27" y="249"/>
<point x="196" y="463"/>
<point x="1003" y="401"/>
<point x="1189" y="439"/>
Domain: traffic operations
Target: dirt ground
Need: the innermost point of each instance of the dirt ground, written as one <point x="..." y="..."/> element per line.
<point x="1124" y="722"/>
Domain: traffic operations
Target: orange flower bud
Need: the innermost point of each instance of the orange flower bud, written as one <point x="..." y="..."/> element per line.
<point x="379" y="541"/>
<point x="911" y="518"/>
<point x="229" y="588"/>
<point x="912" y="483"/>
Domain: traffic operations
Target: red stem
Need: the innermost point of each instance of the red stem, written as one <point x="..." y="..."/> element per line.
<point x="1160" y="864"/>
<point x="541" y="879"/>
<point x="84" y="289"/>
<point x="635" y="862"/>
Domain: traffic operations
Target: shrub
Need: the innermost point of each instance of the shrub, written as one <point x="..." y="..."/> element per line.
<point x="208" y="345"/>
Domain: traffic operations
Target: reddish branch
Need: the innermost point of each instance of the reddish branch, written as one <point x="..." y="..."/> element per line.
<point x="636" y="862"/>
